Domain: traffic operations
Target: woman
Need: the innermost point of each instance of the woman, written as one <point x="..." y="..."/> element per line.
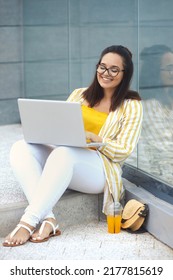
<point x="112" y="114"/>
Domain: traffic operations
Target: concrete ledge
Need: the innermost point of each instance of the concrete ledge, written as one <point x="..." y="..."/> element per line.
<point x="160" y="219"/>
<point x="73" y="208"/>
<point x="10" y="191"/>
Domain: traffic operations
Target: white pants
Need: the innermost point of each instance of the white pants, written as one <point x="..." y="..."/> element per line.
<point x="45" y="172"/>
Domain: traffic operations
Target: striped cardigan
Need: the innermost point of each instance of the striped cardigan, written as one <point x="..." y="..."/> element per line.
<point x="120" y="132"/>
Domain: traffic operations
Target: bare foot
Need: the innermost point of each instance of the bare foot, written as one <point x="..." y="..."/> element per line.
<point x="46" y="230"/>
<point x="19" y="236"/>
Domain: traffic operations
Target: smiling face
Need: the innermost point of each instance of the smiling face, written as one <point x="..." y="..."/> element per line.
<point x="111" y="61"/>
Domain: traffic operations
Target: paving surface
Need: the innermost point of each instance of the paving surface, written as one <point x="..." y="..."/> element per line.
<point x="91" y="241"/>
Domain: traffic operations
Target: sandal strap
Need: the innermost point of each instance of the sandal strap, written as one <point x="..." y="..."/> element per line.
<point x="21" y="226"/>
<point x="54" y="228"/>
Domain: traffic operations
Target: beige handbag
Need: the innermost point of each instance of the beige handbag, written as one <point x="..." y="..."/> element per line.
<point x="134" y="214"/>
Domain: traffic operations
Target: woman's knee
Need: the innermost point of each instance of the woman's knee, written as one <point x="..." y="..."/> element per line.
<point x="62" y="153"/>
<point x="16" y="151"/>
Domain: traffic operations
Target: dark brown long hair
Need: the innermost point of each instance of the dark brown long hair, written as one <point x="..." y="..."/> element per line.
<point x="94" y="93"/>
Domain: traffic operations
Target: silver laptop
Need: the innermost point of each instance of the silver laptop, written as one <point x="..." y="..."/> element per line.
<point x="53" y="122"/>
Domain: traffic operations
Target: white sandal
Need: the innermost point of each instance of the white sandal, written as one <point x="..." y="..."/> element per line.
<point x="9" y="244"/>
<point x="55" y="232"/>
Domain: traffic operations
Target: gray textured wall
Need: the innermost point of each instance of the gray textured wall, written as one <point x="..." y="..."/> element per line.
<point x="11" y="59"/>
<point x="50" y="47"/>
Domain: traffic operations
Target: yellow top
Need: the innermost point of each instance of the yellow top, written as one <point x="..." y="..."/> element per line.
<point x="93" y="119"/>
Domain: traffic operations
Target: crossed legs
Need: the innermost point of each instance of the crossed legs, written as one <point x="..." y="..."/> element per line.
<point x="45" y="172"/>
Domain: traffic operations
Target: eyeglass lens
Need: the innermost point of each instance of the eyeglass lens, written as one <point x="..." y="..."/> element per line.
<point x="113" y="71"/>
<point x="168" y="68"/>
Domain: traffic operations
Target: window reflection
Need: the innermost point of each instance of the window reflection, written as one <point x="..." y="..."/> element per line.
<point x="156" y="89"/>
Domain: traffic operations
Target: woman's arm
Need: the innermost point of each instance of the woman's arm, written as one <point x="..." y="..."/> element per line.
<point x="119" y="146"/>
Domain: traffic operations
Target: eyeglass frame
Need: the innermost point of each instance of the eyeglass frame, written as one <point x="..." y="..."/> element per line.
<point x="167" y="69"/>
<point x="107" y="69"/>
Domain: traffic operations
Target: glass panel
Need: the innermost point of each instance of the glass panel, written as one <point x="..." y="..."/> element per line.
<point x="156" y="87"/>
<point x="46" y="48"/>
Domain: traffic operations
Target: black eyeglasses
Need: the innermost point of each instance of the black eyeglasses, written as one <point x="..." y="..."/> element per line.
<point x="168" y="68"/>
<point x="112" y="71"/>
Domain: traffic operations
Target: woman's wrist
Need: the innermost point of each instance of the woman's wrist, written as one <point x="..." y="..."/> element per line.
<point x="93" y="137"/>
